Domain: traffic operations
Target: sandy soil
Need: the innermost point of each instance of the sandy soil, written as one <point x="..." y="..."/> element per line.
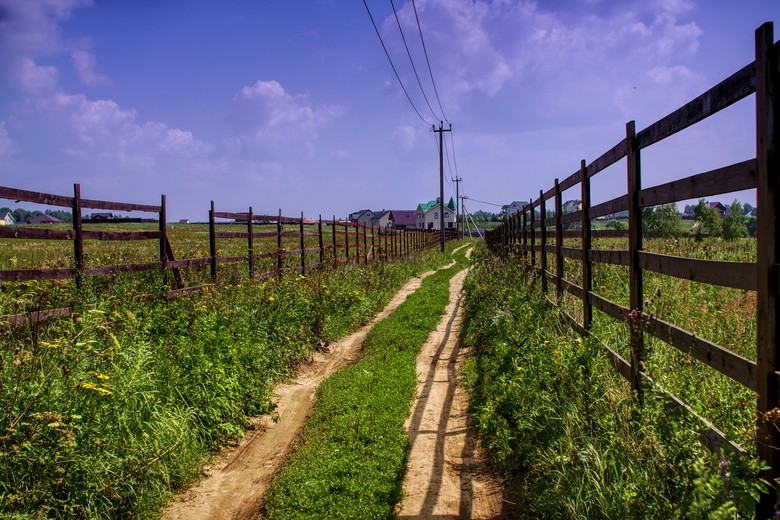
<point x="236" y="482"/>
<point x="446" y="475"/>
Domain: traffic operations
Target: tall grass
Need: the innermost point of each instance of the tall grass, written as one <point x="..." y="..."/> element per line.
<point x="104" y="414"/>
<point x="564" y="428"/>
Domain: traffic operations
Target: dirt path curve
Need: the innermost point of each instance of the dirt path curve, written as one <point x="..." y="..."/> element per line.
<point x="236" y="482"/>
<point x="445" y="472"/>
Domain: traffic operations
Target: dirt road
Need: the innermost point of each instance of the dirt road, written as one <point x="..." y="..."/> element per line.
<point x="236" y="482"/>
<point x="445" y="476"/>
<point x="445" y="472"/>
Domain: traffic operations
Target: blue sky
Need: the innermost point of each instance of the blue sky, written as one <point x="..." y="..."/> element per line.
<point x="293" y="104"/>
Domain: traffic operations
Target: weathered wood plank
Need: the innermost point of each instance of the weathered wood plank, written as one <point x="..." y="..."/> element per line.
<point x="740" y="369"/>
<point x="609" y="207"/>
<point x="619" y="363"/>
<point x="22" y="275"/>
<point x="611" y="308"/>
<point x="606" y="256"/>
<point x="35" y="316"/>
<point x="736" y="177"/>
<point x="571" y="252"/>
<point x="120" y="235"/>
<point x="190" y="262"/>
<point x="37" y="233"/>
<point x="607" y="159"/>
<point x="739" y="275"/>
<point x="572" y="288"/>
<point x="119" y="268"/>
<point x="737" y="86"/>
<point x="36" y="197"/>
<point x="568" y="218"/>
<point x="118" y="206"/>
<point x="571" y="181"/>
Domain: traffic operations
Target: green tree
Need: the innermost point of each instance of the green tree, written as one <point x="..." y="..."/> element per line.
<point x="662" y="221"/>
<point x="708" y="222"/>
<point x="617" y="225"/>
<point x="734" y="224"/>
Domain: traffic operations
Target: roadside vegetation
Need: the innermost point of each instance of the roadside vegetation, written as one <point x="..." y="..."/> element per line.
<point x="350" y="460"/>
<point x="105" y="413"/>
<point x="563" y="427"/>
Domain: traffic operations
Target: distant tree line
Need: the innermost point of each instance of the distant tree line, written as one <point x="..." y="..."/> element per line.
<point x="22" y="216"/>
<point x="666" y="221"/>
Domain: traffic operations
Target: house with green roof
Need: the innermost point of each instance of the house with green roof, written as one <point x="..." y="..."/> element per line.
<point x="428" y="214"/>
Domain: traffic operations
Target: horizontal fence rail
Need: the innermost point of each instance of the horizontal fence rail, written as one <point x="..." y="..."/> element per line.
<point x="300" y="245"/>
<point x="532" y="234"/>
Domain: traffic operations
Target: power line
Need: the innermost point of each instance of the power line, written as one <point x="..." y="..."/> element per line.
<point x="428" y="61"/>
<point x="483" y="202"/>
<point x="408" y="53"/>
<point x="393" y="66"/>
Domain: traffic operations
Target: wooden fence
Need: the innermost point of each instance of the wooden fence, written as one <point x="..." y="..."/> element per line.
<point x="529" y="232"/>
<point x="346" y="242"/>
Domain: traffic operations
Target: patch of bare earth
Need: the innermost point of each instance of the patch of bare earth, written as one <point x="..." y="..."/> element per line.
<point x="446" y="472"/>
<point x="236" y="483"/>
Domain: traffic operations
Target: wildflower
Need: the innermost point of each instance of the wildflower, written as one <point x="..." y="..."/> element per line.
<point x="271" y="298"/>
<point x="633" y="314"/>
<point x="98" y="375"/>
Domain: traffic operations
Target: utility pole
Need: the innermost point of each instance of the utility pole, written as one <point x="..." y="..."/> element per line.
<point x="441" y="131"/>
<point x="457" y="198"/>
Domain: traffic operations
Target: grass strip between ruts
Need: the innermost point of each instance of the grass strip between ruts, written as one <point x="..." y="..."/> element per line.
<point x="350" y="463"/>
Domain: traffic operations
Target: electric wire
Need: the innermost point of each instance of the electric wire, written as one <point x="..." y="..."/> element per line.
<point x="425" y="51"/>
<point x="408" y="53"/>
<point x="393" y="66"/>
<point x="483" y="202"/>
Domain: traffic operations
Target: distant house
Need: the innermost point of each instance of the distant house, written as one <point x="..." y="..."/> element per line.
<point x="382" y="219"/>
<point x="6" y="219"/>
<point x="404" y="218"/>
<point x="101" y="216"/>
<point x="720" y="208"/>
<point x="362" y="217"/>
<point x="515" y="207"/>
<point x="45" y="219"/>
<point x="428" y="214"/>
<point x="184" y="221"/>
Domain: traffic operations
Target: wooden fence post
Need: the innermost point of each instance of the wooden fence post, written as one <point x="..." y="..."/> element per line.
<point x="373" y="251"/>
<point x="768" y="257"/>
<point x="634" y="173"/>
<point x="78" y="240"/>
<point x="163" y="238"/>
<point x="543" y="246"/>
<point x="357" y="243"/>
<point x="335" y="249"/>
<point x="558" y="242"/>
<point x="213" y="243"/>
<point x="587" y="239"/>
<point x="533" y="235"/>
<point x="251" y="243"/>
<point x="303" y="248"/>
<point x="526" y="253"/>
<point x="279" y="243"/>
<point x="365" y="247"/>
<point x="346" y="240"/>
<point x="322" y="248"/>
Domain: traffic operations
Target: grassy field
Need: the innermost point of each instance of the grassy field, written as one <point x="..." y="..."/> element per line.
<point x="563" y="425"/>
<point x="107" y="412"/>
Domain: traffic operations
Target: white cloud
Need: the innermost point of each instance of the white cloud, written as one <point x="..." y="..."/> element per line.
<point x="269" y="120"/>
<point x="102" y="129"/>
<point x="85" y="64"/>
<point x="7" y="145"/>
<point x="35" y="79"/>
